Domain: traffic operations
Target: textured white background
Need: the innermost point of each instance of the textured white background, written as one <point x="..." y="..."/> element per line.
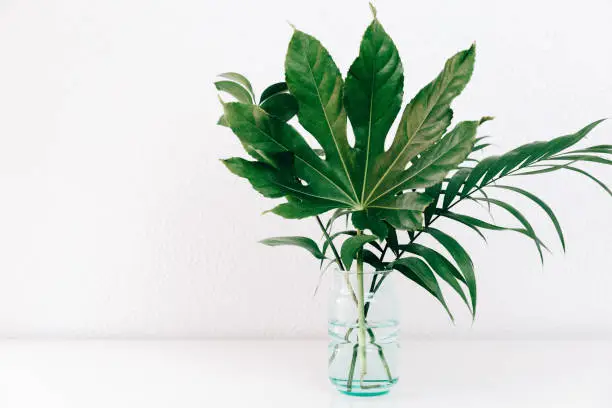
<point x="117" y="219"/>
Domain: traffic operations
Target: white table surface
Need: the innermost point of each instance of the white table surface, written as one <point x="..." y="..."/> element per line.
<point x="292" y="374"/>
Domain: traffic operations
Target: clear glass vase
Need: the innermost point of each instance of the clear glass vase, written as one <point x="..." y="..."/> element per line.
<point x="372" y="369"/>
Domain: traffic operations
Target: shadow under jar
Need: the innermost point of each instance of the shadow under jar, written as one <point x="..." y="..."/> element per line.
<point x="370" y="369"/>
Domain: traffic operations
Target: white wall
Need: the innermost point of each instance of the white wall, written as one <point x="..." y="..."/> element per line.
<point x="117" y="219"/>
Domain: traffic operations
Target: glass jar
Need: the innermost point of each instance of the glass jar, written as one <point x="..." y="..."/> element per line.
<point x="349" y="371"/>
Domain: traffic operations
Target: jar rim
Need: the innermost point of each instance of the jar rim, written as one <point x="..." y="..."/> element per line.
<point x="352" y="271"/>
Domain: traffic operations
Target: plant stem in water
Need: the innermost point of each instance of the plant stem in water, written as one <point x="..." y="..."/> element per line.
<point x="349" y="385"/>
<point x="361" y="314"/>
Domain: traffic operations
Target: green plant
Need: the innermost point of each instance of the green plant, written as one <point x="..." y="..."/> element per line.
<point x="423" y="175"/>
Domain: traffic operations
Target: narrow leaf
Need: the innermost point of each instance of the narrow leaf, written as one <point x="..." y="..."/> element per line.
<point x="418" y="271"/>
<point x="462" y="259"/>
<point x="454" y="185"/>
<point x="302" y="242"/>
<point x="441" y="267"/>
<point x="521" y="218"/>
<point x="234" y="89"/>
<point x="602" y="185"/>
<point x="542" y="205"/>
<point x="241" y="79"/>
<point x="582" y="157"/>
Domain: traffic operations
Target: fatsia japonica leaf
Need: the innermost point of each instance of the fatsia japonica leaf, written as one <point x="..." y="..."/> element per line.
<point x="433" y="164"/>
<point x="264" y="178"/>
<point x="404" y="211"/>
<point x="296" y="209"/>
<point x="351" y="246"/>
<point x="268" y="136"/>
<point x="424" y="120"/>
<point x="302" y="242"/>
<point x="364" y="178"/>
<point x="315" y="80"/>
<point x="373" y="98"/>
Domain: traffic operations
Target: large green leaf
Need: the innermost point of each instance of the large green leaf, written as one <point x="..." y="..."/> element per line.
<point x="269" y="136"/>
<point x="298" y="209"/>
<point x="404" y="211"/>
<point x="346" y="176"/>
<point x="351" y="246"/>
<point x="314" y="79"/>
<point x="424" y="120"/>
<point x="373" y="97"/>
<point x="265" y="179"/>
<point x="433" y="165"/>
<point x="302" y="242"/>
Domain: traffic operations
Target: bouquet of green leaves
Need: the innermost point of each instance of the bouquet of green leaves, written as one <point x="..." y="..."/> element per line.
<point x="392" y="195"/>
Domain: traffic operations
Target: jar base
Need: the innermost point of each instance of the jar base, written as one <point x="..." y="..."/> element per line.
<point x="367" y="388"/>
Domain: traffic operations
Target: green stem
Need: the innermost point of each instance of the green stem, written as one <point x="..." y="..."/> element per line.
<point x="381" y="354"/>
<point x="349" y="385"/>
<point x="361" y="335"/>
<point x="330" y="243"/>
<point x="362" y="313"/>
